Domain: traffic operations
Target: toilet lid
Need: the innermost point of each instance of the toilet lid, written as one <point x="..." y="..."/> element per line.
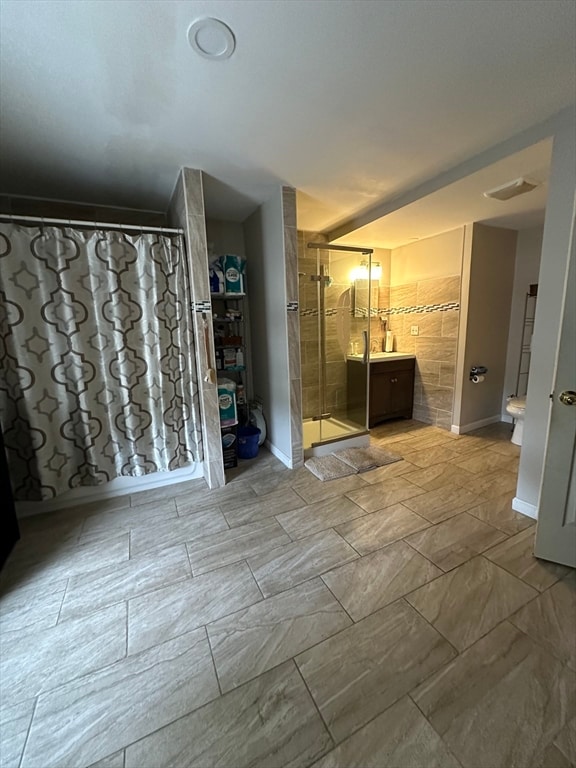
<point x="518" y="402"/>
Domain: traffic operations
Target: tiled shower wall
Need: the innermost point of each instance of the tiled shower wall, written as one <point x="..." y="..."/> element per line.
<point x="379" y="313"/>
<point x="432" y="305"/>
<point x="339" y="299"/>
<point x="309" y="323"/>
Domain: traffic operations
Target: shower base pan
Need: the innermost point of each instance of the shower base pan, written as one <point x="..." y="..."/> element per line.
<point x="346" y="433"/>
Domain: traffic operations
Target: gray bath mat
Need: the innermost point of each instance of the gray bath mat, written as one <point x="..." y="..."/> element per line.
<point x="364" y="459"/>
<point x="328" y="467"/>
<point x="349" y="461"/>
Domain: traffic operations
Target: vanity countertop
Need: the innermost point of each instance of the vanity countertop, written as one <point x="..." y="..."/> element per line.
<point x="376" y="357"/>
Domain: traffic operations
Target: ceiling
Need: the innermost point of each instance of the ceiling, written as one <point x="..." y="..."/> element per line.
<point x="352" y="102"/>
<point x="463" y="202"/>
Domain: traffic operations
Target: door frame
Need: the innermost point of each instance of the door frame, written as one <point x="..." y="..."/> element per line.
<point x="556" y="528"/>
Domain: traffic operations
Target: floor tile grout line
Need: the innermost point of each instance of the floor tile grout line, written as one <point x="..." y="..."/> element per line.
<point x="320" y="715"/>
<point x="77" y="679"/>
<point x="119" y="600"/>
<point x="442" y="522"/>
<point x="199" y="626"/>
<point x="536" y="642"/>
<point x="409" y="604"/>
<point x="126" y="651"/>
<point x="292" y="540"/>
<point x="444" y="742"/>
<point x="167" y="725"/>
<point x="412" y="547"/>
<point x="339" y="601"/>
<point x="360" y="555"/>
<point x="218" y="683"/>
<point x="255" y="579"/>
<point x="318" y="575"/>
<point x="295" y="489"/>
<point x="521" y="578"/>
<point x="62" y="601"/>
<point x="484" y="634"/>
<point x="29" y="729"/>
<point x="189" y="560"/>
<point x="517" y="578"/>
<point x="300" y="652"/>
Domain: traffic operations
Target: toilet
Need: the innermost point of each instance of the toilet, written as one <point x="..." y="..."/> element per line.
<point x="516" y="407"/>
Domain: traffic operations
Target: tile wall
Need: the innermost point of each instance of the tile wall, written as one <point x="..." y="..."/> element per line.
<point x="431" y="304"/>
<point x="434" y="306"/>
<point x="309" y="322"/>
<point x="293" y="327"/>
<point x="379" y="313"/>
<point x="187" y="211"/>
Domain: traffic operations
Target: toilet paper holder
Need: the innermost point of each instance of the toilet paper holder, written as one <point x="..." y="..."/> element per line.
<point x="477" y="370"/>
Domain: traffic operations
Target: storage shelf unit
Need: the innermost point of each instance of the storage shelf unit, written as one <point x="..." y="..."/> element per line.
<point x="228" y="345"/>
<point x="526" y="343"/>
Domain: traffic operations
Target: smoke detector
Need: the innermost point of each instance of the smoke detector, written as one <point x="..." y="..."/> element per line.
<point x="511" y="189"/>
<point x="211" y="38"/>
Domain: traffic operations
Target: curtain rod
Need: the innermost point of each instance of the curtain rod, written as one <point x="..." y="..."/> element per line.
<point x="92" y="224"/>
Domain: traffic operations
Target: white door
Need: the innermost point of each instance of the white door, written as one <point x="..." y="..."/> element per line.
<point x="556" y="530"/>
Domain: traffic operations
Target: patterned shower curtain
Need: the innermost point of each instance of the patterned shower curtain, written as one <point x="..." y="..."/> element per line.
<point x="97" y="374"/>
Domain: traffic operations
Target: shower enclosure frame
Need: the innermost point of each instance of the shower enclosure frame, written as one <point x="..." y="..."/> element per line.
<point x="323" y="428"/>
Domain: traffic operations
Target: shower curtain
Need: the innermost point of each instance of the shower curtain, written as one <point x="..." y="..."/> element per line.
<point x="97" y="374"/>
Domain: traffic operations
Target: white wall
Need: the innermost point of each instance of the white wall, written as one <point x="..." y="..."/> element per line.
<point x="264" y="240"/>
<point x="528" y="253"/>
<point x="488" y="276"/>
<point x="551" y="282"/>
<point x="224" y="237"/>
<point x="436" y="256"/>
<point x="384" y="256"/>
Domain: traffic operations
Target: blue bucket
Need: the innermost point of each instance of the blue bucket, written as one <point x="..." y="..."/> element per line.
<point x="248" y="442"/>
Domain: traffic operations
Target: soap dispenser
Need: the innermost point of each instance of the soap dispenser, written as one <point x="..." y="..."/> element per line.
<point x="389" y="342"/>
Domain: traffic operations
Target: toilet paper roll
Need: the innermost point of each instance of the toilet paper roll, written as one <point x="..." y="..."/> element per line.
<point x="477" y="379"/>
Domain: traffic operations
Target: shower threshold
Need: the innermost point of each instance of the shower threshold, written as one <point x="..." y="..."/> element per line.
<point x="319" y="435"/>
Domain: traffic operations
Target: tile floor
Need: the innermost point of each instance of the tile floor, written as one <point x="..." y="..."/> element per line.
<point x="393" y="618"/>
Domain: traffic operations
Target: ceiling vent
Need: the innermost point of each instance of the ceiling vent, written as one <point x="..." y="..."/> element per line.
<point x="511" y="189"/>
<point x="211" y="38"/>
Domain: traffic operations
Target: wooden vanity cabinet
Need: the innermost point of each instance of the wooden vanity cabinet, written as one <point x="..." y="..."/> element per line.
<point x="391" y="390"/>
<point x="391" y="393"/>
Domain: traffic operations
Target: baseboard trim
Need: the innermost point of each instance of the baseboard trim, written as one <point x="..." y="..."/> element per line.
<point x="279" y="454"/>
<point x="120" y="486"/>
<point x="461" y="429"/>
<point x="530" y="510"/>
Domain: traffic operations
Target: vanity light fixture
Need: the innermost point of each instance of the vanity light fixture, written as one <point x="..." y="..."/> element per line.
<point x="511" y="189"/>
<point x="363" y="271"/>
<point x="360" y="272"/>
<point x="211" y="38"/>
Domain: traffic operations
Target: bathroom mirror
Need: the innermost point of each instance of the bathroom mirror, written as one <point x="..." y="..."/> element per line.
<point x="365" y="297"/>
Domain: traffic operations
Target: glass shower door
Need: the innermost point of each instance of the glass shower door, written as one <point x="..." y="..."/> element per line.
<point x="333" y="340"/>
